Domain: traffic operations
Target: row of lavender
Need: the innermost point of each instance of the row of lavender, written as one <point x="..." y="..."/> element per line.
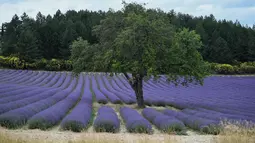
<point x="167" y="121"/>
<point x="118" y="90"/>
<point x="229" y="98"/>
<point x="52" y="106"/>
<point x="103" y="89"/>
<point x="47" y="102"/>
<point x="149" y="99"/>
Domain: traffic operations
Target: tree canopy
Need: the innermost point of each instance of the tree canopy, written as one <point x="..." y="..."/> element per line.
<point x="140" y="43"/>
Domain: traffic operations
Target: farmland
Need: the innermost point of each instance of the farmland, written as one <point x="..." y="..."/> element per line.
<point x="101" y="103"/>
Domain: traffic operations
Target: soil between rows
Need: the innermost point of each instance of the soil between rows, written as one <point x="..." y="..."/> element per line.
<point x="67" y="136"/>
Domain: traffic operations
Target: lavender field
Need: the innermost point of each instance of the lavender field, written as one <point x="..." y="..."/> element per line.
<point x="44" y="100"/>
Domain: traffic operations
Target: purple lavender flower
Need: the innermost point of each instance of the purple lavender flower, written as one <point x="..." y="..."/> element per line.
<point x="163" y="122"/>
<point x="134" y="121"/>
<point x="107" y="120"/>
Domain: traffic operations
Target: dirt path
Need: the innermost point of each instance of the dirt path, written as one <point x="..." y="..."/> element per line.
<point x="65" y="136"/>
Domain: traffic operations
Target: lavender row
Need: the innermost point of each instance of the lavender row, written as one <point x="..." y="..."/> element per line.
<point x="25" y="78"/>
<point x="214" y="115"/>
<point x="26" y="101"/>
<point x="87" y="94"/>
<point x="45" y="80"/>
<point x="100" y="98"/>
<point x="53" y="115"/>
<point x="178" y="101"/>
<point x="7" y="87"/>
<point x="117" y="85"/>
<point x="18" y="117"/>
<point x="14" y="75"/>
<point x="19" y="77"/>
<point x="19" y="96"/>
<point x="4" y="73"/>
<point x="112" y="97"/>
<point x="80" y="116"/>
<point x="53" y="81"/>
<point x="26" y="94"/>
<point x="106" y="120"/>
<point x="60" y="81"/>
<point x="34" y="78"/>
<point x="4" y="86"/>
<point x="134" y="121"/>
<point x="194" y="122"/>
<point x="20" y="90"/>
<point x="163" y="122"/>
<point x="39" y="79"/>
<point x="124" y="97"/>
<point x="149" y="98"/>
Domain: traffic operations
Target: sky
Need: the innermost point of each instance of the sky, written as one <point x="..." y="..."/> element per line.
<point x="241" y="10"/>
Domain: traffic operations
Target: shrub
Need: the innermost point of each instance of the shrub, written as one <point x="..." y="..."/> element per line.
<point x="212" y="66"/>
<point x="66" y="65"/>
<point x="31" y="66"/>
<point x="236" y="68"/>
<point x="248" y="64"/>
<point x="40" y="64"/>
<point x="14" y="62"/>
<point x="224" y="69"/>
<point x="53" y="65"/>
<point x="247" y="68"/>
<point x="58" y="65"/>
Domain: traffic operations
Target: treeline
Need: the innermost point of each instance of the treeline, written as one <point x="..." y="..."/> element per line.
<point x="46" y="36"/>
<point x="50" y="37"/>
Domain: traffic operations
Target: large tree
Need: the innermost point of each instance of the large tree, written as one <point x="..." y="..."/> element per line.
<point x="143" y="43"/>
<point x="27" y="45"/>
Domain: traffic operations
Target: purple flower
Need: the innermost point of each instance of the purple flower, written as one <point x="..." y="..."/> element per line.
<point x="134" y="121"/>
<point x="163" y="122"/>
<point x="79" y="118"/>
<point x="107" y="120"/>
<point x="99" y="95"/>
<point x="194" y="122"/>
<point x="112" y="97"/>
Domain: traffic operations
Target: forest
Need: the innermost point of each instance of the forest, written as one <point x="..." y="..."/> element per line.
<point x="50" y="37"/>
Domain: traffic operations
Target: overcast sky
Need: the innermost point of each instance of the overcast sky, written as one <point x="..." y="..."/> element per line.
<point x="243" y="10"/>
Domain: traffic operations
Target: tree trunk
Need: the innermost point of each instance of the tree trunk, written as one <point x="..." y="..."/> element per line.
<point x="137" y="85"/>
<point x="138" y="88"/>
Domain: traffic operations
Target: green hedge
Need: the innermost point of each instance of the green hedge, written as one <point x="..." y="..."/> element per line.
<point x="66" y="65"/>
<point x="12" y="62"/>
<point x="242" y="68"/>
<point x="43" y="64"/>
<point x="224" y="69"/>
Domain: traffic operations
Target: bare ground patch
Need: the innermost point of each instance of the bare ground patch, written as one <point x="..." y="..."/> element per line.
<point x="69" y="137"/>
<point x="55" y="136"/>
